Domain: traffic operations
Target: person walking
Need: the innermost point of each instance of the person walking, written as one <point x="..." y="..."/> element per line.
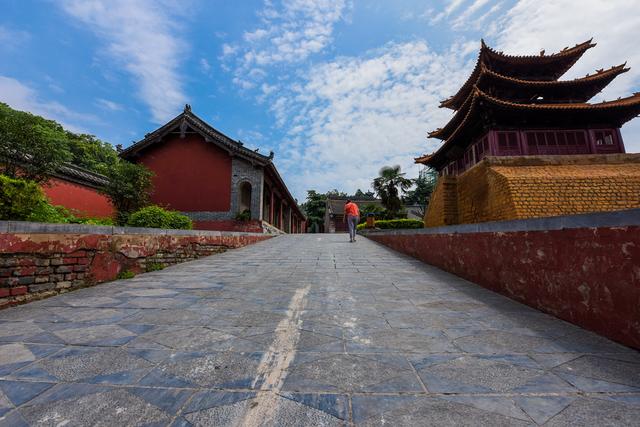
<point x="352" y="216"/>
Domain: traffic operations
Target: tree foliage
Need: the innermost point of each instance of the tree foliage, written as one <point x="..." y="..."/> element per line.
<point x="35" y="147"/>
<point x="314" y="207"/>
<point x="361" y="195"/>
<point x="89" y="152"/>
<point x="335" y="193"/>
<point x="30" y="146"/>
<point x="388" y="186"/>
<point x="129" y="188"/>
<point x="425" y="183"/>
<point x="19" y="198"/>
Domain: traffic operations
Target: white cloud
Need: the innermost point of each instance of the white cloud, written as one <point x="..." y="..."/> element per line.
<point x="24" y="98"/>
<point x="452" y="6"/>
<point x="433" y="17"/>
<point x="289" y="33"/>
<point x="205" y="67"/>
<point x="532" y="25"/>
<point x="11" y="39"/>
<point x="354" y="115"/>
<point x="462" y="19"/>
<point x="140" y="37"/>
<point x="108" y="105"/>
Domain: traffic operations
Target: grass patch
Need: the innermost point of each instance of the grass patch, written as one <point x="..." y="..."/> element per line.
<point x="155" y="266"/>
<point x="126" y="274"/>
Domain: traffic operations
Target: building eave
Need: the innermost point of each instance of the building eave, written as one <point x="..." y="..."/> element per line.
<point x="209" y="133"/>
<point x="280" y="182"/>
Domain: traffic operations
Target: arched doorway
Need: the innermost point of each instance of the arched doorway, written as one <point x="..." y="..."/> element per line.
<point x="244" y="197"/>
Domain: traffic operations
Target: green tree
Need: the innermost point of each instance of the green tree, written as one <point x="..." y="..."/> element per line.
<point x="129" y="188"/>
<point x="361" y="195"/>
<point x="314" y="207"/>
<point x="30" y="146"/>
<point x="425" y="183"/>
<point x="388" y="187"/>
<point x="89" y="152"/>
<point x="335" y="193"/>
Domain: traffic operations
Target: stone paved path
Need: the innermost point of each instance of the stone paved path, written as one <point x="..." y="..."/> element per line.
<point x="305" y="330"/>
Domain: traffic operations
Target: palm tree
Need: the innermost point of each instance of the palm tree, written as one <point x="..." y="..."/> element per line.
<point x="388" y="186"/>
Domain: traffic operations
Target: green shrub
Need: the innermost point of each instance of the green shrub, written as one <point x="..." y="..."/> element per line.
<point x="396" y="224"/>
<point x="155" y="266"/>
<point x="157" y="217"/>
<point x="19" y="198"/>
<point x="93" y="221"/>
<point x="125" y="274"/>
<point x="46" y="212"/>
<point x="245" y="215"/>
<point x="23" y="200"/>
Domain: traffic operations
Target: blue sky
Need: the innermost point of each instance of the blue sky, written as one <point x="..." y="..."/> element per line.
<point x="337" y="89"/>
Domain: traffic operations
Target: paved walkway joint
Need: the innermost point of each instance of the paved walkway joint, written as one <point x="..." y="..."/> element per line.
<point x="305" y="330"/>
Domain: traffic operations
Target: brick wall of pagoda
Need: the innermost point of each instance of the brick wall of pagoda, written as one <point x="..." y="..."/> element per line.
<point x="503" y="188"/>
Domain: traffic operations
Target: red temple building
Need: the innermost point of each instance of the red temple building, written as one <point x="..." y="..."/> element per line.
<point x="213" y="179"/>
<point x="513" y="114"/>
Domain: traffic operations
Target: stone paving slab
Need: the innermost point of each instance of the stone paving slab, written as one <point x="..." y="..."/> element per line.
<point x="305" y="330"/>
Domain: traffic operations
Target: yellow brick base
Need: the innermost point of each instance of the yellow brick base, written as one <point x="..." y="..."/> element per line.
<point x="502" y="188"/>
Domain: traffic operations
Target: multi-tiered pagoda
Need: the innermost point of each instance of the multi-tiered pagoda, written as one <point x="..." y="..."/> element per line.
<point x="517" y="106"/>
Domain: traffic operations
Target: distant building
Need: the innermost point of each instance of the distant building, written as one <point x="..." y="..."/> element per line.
<point x="214" y="179"/>
<point x="524" y="144"/>
<point x="334" y="221"/>
<point x="334" y="212"/>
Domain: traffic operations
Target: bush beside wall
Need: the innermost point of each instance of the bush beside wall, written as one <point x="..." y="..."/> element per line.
<point x="157" y="217"/>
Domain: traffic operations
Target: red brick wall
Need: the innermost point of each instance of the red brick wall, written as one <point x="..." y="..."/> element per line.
<point x="587" y="276"/>
<point x="85" y="201"/>
<point x="34" y="266"/>
<point x="191" y="174"/>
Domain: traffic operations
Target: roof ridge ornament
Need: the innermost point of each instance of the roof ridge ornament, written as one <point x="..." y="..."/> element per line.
<point x="187" y="108"/>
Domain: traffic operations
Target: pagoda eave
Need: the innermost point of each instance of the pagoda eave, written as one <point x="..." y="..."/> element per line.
<point x="531" y="67"/>
<point x="487" y="112"/>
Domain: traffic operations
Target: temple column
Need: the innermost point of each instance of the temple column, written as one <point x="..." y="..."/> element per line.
<point x="271" y="207"/>
<point x="281" y="219"/>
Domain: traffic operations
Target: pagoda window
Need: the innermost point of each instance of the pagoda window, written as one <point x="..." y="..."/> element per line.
<point x="557" y="142"/>
<point x="606" y="141"/>
<point x="508" y="144"/>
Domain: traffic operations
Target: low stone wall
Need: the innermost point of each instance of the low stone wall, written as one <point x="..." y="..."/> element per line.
<point x="584" y="269"/>
<point x="40" y="260"/>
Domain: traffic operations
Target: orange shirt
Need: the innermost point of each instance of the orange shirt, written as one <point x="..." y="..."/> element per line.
<point x="351" y="209"/>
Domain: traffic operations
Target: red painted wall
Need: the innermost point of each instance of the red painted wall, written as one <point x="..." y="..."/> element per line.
<point x="587" y="276"/>
<point x="85" y="201"/>
<point x="191" y="174"/>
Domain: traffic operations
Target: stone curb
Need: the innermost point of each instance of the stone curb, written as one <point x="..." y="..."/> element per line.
<point x="46" y="228"/>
